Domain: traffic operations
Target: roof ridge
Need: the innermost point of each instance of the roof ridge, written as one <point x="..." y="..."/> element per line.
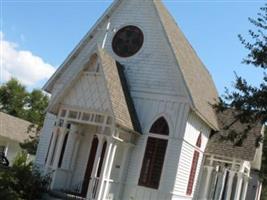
<point x="17" y="118"/>
<point x="190" y="64"/>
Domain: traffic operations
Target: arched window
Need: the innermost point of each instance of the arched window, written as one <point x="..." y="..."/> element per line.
<point x="199" y="140"/>
<point x="194" y="167"/>
<point x="160" y="127"/>
<point x="154" y="155"/>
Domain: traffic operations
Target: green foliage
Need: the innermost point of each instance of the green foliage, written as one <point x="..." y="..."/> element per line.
<point x="22" y="181"/>
<point x="250" y="101"/>
<point x="13" y="98"/>
<point x="17" y="101"/>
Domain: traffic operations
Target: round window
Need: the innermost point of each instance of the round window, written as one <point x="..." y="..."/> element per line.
<point x="128" y="41"/>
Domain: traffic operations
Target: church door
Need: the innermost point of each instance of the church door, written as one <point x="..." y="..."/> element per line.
<point x="89" y="168"/>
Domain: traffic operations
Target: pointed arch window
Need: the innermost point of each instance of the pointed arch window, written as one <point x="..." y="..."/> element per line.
<point x="194" y="167"/>
<point x="160" y="126"/>
<point x="154" y="155"/>
<point x="199" y="140"/>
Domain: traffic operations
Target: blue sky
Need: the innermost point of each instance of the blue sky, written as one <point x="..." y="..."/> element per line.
<point x="46" y="31"/>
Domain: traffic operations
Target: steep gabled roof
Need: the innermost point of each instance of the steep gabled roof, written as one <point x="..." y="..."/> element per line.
<point x="13" y="128"/>
<point x="197" y="78"/>
<point x="226" y="148"/>
<point x="122" y="104"/>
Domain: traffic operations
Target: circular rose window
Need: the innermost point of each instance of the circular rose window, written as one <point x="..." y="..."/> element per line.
<point x="128" y="41"/>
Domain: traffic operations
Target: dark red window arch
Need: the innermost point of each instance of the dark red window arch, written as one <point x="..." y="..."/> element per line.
<point x="199" y="140"/>
<point x="160" y="126"/>
<point x="194" y="167"/>
<point x="154" y="155"/>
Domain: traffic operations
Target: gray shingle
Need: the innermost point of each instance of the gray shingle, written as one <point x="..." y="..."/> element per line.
<point x="122" y="105"/>
<point x="13" y="128"/>
<point x="197" y="78"/>
<point x="227" y="148"/>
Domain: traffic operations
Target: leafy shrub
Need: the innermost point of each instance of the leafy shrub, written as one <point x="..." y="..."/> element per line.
<point x="22" y="181"/>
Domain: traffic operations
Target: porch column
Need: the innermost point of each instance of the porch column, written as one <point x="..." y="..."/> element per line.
<point x="73" y="157"/>
<point x="110" y="164"/>
<point x="238" y="185"/>
<point x="62" y="133"/>
<point x="123" y="166"/>
<point x="95" y="167"/>
<point x="230" y="184"/>
<point x="50" y="150"/>
<point x="106" y="165"/>
<point x="206" y="185"/>
<point x="245" y="187"/>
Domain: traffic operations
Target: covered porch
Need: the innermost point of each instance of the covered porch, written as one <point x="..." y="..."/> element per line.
<point x="224" y="178"/>
<point x="88" y="154"/>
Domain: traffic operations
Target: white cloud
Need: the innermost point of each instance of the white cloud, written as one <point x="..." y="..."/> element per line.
<point x="23" y="65"/>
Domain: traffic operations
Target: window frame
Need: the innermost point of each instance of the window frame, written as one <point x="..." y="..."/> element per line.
<point x="158" y="137"/>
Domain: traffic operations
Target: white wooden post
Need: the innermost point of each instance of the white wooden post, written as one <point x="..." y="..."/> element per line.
<point x="104" y="171"/>
<point x="52" y="146"/>
<point x="223" y="183"/>
<point x="123" y="166"/>
<point x="230" y="184"/>
<point x="245" y="187"/>
<point x="62" y="133"/>
<point x="74" y="156"/>
<point x="95" y="167"/>
<point x="238" y="185"/>
<point x="209" y="170"/>
<point x="110" y="164"/>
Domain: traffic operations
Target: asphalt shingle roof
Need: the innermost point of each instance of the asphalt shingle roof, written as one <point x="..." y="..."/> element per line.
<point x="13" y="128"/>
<point x="227" y="148"/>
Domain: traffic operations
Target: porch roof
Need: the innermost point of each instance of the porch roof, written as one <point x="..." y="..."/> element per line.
<point x="226" y="148"/>
<point x="120" y="97"/>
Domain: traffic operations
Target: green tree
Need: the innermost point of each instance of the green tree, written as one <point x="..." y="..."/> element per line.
<point x="251" y="101"/>
<point x="17" y="101"/>
<point x="13" y="96"/>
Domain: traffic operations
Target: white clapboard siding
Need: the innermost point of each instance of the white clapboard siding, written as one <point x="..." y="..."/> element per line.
<point x="45" y="137"/>
<point x="194" y="127"/>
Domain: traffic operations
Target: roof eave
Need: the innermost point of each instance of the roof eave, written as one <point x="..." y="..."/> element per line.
<point x="89" y="35"/>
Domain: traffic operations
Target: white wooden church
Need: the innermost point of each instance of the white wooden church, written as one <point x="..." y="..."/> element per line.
<point x="130" y="117"/>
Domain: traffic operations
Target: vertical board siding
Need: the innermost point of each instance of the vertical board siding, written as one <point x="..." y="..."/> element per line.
<point x="45" y="136"/>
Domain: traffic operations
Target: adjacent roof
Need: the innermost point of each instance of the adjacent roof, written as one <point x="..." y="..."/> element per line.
<point x="13" y="128"/>
<point x="225" y="147"/>
<point x="122" y="105"/>
<point x="197" y="78"/>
